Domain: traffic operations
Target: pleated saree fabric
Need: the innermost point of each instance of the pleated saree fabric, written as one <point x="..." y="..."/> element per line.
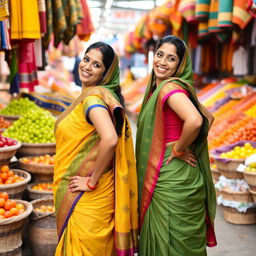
<point x="104" y="221"/>
<point x="177" y="201"/>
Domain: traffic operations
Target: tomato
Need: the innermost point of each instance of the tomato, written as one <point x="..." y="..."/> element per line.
<point x="7" y="214"/>
<point x="8" y="205"/>
<point x="4" y="195"/>
<point x="5" y="168"/>
<point x="2" y="210"/>
<point x="2" y="202"/>
<point x="14" y="211"/>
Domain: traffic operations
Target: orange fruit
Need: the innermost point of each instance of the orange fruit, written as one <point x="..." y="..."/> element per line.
<point x="8" y="205"/>
<point x="14" y="211"/>
<point x="7" y="214"/>
<point x="20" y="206"/>
<point x="5" y="168"/>
<point x="2" y="210"/>
<point x="2" y="202"/>
<point x="4" y="195"/>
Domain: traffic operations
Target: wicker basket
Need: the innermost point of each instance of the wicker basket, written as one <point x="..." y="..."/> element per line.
<point x="10" y="118"/>
<point x="250" y="178"/>
<point x="39" y="172"/>
<point x="229" y="169"/>
<point x="253" y="193"/>
<point x="11" y="231"/>
<point x="15" y="190"/>
<point x="238" y="196"/>
<point x="42" y="230"/>
<point x="37" y="194"/>
<point x="233" y="216"/>
<point x="215" y="174"/>
<point x="36" y="149"/>
<point x="6" y="153"/>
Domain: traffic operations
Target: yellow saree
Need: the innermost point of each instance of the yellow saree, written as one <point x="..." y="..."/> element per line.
<point x="104" y="221"/>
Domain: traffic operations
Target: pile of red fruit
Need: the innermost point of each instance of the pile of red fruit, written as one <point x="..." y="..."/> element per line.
<point x="6" y="142"/>
<point x="8" y="207"/>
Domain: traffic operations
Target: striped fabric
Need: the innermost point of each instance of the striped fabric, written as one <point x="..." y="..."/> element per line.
<point x="213" y="17"/>
<point x="187" y="9"/>
<point x="4" y="10"/>
<point x="4" y="36"/>
<point x="241" y="16"/>
<point x="225" y="13"/>
<point x="202" y="9"/>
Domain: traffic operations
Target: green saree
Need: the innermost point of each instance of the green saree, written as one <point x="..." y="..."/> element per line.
<point x="177" y="201"/>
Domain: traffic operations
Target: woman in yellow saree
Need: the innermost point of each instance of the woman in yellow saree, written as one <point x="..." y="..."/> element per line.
<point x="95" y="183"/>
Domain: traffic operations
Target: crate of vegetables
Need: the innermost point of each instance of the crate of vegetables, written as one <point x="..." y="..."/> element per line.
<point x="8" y="148"/>
<point x="13" y="214"/>
<point x="41" y="167"/>
<point x="13" y="181"/>
<point x="38" y="190"/>
<point x="228" y="158"/>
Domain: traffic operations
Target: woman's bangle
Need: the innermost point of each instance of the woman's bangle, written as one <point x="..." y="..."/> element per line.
<point x="89" y="186"/>
<point x="176" y="153"/>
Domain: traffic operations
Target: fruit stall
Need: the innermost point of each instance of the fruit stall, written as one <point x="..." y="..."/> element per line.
<point x="27" y="150"/>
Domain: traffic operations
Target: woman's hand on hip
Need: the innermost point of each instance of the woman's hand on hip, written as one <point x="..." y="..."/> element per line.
<point x="78" y="183"/>
<point x="188" y="157"/>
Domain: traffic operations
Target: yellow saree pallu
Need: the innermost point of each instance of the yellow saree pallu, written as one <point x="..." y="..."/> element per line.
<point x="104" y="221"/>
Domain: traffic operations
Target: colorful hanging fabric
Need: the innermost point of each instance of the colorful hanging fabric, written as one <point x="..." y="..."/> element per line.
<point x="241" y="16"/>
<point x="4" y="9"/>
<point x="4" y="36"/>
<point x="24" y="19"/>
<point x="202" y="9"/>
<point x="62" y="18"/>
<point x="187" y="9"/>
<point x="225" y="13"/>
<point x="203" y="29"/>
<point x="175" y="16"/>
<point x="85" y="28"/>
<point x="213" y="17"/>
<point x="251" y="7"/>
<point x="27" y="66"/>
<point x="42" y="15"/>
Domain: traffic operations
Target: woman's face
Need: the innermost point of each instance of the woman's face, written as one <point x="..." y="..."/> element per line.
<point x="165" y="62"/>
<point x="91" y="68"/>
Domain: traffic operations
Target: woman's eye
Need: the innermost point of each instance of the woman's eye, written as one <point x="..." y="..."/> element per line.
<point x="158" y="54"/>
<point x="86" y="59"/>
<point x="96" y="65"/>
<point x="172" y="59"/>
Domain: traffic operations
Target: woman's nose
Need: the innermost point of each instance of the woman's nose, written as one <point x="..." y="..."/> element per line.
<point x="163" y="61"/>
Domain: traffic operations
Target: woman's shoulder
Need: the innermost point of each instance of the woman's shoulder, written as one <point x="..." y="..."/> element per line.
<point x="171" y="88"/>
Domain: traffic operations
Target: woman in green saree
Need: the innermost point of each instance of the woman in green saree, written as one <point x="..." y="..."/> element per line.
<point x="176" y="194"/>
<point x="95" y="180"/>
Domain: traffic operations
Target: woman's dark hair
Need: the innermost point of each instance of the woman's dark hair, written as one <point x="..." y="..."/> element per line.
<point x="108" y="55"/>
<point x="180" y="46"/>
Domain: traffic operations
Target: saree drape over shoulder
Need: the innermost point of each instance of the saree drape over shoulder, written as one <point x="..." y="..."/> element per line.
<point x="103" y="221"/>
<point x="177" y="202"/>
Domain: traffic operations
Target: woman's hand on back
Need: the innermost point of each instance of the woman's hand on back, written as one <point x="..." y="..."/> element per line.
<point x="78" y="183"/>
<point x="188" y="157"/>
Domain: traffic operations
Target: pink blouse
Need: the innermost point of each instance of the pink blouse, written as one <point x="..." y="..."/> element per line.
<point x="173" y="123"/>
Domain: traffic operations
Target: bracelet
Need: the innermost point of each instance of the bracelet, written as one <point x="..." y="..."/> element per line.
<point x="176" y="153"/>
<point x="89" y="186"/>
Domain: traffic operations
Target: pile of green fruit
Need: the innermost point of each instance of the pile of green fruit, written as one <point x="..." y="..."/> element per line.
<point x="19" y="107"/>
<point x="37" y="126"/>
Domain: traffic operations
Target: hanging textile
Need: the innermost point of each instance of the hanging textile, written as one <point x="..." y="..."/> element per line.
<point x="241" y="16"/>
<point x="187" y="9"/>
<point x="24" y="19"/>
<point x="251" y="7"/>
<point x="85" y="28"/>
<point x="202" y="9"/>
<point x="225" y="13"/>
<point x="62" y="18"/>
<point x="213" y="17"/>
<point x="42" y="15"/>
<point x="4" y="35"/>
<point x="4" y="10"/>
<point x="27" y="66"/>
<point x="14" y="76"/>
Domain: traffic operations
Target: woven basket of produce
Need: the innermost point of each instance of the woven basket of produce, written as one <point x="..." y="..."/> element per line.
<point x="228" y="169"/>
<point x="7" y="152"/>
<point x="42" y="229"/>
<point x="215" y="174"/>
<point x="39" y="190"/>
<point x="41" y="167"/>
<point x="36" y="149"/>
<point x="10" y="118"/>
<point x="11" y="229"/>
<point x="233" y="216"/>
<point x="250" y="178"/>
<point x="253" y="193"/>
<point x="238" y="196"/>
<point x="15" y="183"/>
